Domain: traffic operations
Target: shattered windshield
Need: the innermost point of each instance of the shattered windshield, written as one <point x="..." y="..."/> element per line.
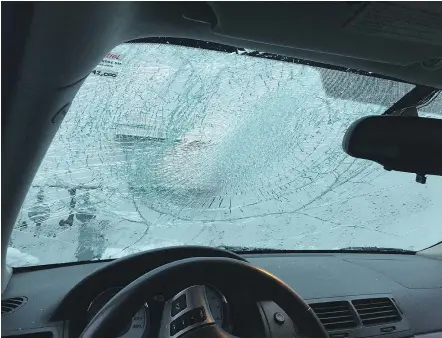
<point x="173" y="145"/>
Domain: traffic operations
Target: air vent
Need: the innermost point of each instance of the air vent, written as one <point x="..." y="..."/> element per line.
<point x="335" y="315"/>
<point x="376" y="311"/>
<point x="12" y="304"/>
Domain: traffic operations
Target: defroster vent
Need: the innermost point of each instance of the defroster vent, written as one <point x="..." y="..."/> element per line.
<point x="335" y="315"/>
<point x="375" y="311"/>
<point x="12" y="304"/>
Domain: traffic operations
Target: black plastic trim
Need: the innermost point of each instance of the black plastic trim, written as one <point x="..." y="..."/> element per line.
<point x="413" y="98"/>
<point x="230" y="49"/>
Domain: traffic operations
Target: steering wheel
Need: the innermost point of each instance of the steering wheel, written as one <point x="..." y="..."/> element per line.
<point x="242" y="280"/>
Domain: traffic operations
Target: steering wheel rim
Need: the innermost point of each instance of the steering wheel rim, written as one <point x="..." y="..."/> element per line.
<point x="173" y="277"/>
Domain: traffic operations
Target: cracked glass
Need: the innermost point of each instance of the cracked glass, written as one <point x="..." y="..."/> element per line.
<point x="170" y="145"/>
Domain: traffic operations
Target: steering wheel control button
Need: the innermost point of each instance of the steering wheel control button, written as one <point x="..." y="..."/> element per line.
<point x="174" y="328"/>
<point x="196" y="315"/>
<point x="183" y="321"/>
<point x="186" y="319"/>
<point x="178" y="305"/>
<point x="279" y="318"/>
<point x="201" y="314"/>
<point x="179" y="324"/>
<point x="193" y="317"/>
<point x="188" y="310"/>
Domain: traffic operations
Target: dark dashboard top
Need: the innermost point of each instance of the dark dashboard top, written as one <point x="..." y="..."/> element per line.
<point x="415" y="283"/>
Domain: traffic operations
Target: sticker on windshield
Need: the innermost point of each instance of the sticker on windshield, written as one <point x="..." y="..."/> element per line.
<point x="108" y="66"/>
<point x="99" y="72"/>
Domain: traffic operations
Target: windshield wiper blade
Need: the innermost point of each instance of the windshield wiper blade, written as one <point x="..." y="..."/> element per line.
<point x="247" y="249"/>
<point x="370" y="249"/>
<point x="350" y="249"/>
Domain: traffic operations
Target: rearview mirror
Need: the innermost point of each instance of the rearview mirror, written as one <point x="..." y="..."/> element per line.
<point x="401" y="143"/>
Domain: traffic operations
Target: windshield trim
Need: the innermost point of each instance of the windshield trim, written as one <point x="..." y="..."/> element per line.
<point x="198" y="44"/>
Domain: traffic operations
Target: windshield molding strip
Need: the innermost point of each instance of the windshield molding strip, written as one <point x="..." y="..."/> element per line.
<point x="242" y="51"/>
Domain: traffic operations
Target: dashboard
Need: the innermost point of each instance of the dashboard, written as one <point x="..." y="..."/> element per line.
<point x="375" y="295"/>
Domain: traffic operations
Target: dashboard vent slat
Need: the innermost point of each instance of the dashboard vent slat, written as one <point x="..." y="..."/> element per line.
<point x="376" y="311"/>
<point x="368" y="314"/>
<point x="331" y="313"/>
<point x="12" y="304"/>
<point x="374" y="308"/>
<point x="335" y="315"/>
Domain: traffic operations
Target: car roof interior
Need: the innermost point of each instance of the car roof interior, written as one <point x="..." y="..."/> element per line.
<point x="49" y="48"/>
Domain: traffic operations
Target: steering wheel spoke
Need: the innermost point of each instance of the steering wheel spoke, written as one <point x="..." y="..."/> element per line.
<point x="186" y="311"/>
